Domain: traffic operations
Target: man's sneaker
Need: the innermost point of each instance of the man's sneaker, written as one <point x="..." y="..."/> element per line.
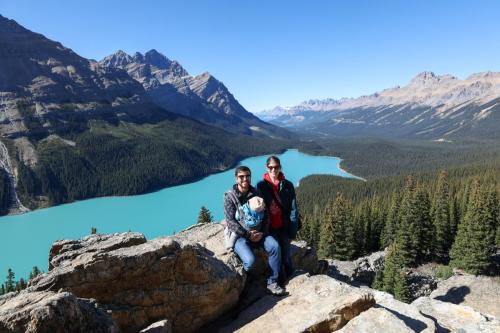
<point x="275" y="289"/>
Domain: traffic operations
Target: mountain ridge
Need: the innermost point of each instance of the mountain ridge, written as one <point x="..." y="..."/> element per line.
<point x="430" y="106"/>
<point x="202" y="97"/>
<point x="74" y="129"/>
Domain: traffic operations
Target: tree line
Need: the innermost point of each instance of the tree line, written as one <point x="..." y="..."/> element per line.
<point x="130" y="159"/>
<point x="11" y="284"/>
<point x="448" y="218"/>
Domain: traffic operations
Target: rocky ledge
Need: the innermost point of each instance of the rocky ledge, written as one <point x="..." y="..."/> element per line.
<point x="189" y="282"/>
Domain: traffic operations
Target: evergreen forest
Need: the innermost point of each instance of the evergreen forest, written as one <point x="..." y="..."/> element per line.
<point x="445" y="212"/>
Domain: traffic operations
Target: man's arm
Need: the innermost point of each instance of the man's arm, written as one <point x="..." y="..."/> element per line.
<point x="230" y="208"/>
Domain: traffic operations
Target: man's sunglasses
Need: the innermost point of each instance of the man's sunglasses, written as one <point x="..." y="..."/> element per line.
<point x="244" y="176"/>
<point x="274" y="167"/>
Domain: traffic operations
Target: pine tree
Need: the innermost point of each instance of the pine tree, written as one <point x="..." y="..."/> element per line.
<point x="497" y="239"/>
<point x="368" y="228"/>
<point x="378" y="282"/>
<point x="34" y="272"/>
<point x="358" y="230"/>
<point x="401" y="290"/>
<point x="441" y="219"/>
<point x="424" y="229"/>
<point x="336" y="239"/>
<point x="378" y="217"/>
<point x="205" y="216"/>
<point x="454" y="218"/>
<point x="2" y="289"/>
<point x="407" y="234"/>
<point x="473" y="244"/>
<point x="392" y="267"/>
<point x="492" y="211"/>
<point x="391" y="222"/>
<point x="10" y="283"/>
<point x="21" y="284"/>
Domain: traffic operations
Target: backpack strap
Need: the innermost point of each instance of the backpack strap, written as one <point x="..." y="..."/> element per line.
<point x="275" y="198"/>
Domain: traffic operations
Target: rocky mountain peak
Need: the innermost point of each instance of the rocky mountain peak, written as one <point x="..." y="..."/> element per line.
<point x="119" y="59"/>
<point x="427" y="78"/>
<point x="157" y="59"/>
<point x="8" y="25"/>
<point x="138" y="57"/>
<point x="149" y="68"/>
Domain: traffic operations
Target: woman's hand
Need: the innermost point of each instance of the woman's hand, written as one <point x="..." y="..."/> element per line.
<point x="255" y="236"/>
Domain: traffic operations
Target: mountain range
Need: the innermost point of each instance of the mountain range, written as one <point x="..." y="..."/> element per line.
<point x="437" y="107"/>
<point x="72" y="128"/>
<point x="201" y="97"/>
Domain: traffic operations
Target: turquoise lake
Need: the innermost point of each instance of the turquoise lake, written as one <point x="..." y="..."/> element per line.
<point x="26" y="239"/>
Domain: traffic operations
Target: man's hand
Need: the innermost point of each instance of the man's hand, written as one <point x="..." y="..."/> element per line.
<point x="255" y="236"/>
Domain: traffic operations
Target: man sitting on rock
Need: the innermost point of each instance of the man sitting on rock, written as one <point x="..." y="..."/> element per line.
<point x="244" y="238"/>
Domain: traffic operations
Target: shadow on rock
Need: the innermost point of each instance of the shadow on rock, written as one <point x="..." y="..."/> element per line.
<point x="455" y="295"/>
<point x="414" y="324"/>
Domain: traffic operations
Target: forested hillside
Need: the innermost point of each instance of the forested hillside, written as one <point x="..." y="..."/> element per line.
<point x="448" y="214"/>
<point x="127" y="158"/>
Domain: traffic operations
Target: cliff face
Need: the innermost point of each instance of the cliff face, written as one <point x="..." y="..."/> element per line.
<point x="190" y="282"/>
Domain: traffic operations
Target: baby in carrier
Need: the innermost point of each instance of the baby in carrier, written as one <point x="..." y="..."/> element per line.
<point x="250" y="216"/>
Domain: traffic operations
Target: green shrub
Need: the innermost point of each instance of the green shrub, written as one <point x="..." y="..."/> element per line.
<point x="444" y="272"/>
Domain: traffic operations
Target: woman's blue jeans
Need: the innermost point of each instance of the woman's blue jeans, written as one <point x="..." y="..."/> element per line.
<point x="244" y="249"/>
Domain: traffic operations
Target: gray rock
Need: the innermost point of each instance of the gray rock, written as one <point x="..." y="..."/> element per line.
<point x="482" y="293"/>
<point x="420" y="284"/>
<point x="358" y="272"/>
<point x="315" y="304"/>
<point x="50" y="312"/>
<point x="64" y="251"/>
<point x="139" y="284"/>
<point x="407" y="313"/>
<point x="376" y="320"/>
<point x="456" y="318"/>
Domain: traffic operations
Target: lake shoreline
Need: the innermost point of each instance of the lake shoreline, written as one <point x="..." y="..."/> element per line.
<point x="155" y="214"/>
<point x="188" y="181"/>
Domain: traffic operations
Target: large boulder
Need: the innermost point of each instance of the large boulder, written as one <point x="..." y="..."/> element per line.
<point x="190" y="278"/>
<point x="420" y="284"/>
<point x="63" y="251"/>
<point x="361" y="271"/>
<point x="456" y="318"/>
<point x="407" y="313"/>
<point x="482" y="293"/>
<point x="315" y="304"/>
<point x="376" y="320"/>
<point x="51" y="312"/>
<point x="140" y="283"/>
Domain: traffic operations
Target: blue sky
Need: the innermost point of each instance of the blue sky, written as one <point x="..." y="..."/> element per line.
<point x="272" y="53"/>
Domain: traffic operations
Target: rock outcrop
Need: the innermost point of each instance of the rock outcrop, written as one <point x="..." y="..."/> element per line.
<point x="409" y="314"/>
<point x="456" y="318"/>
<point x="189" y="279"/>
<point x="358" y="272"/>
<point x="190" y="282"/>
<point x="482" y="293"/>
<point x="376" y="320"/>
<point x="139" y="282"/>
<point x="314" y="304"/>
<point x="54" y="312"/>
